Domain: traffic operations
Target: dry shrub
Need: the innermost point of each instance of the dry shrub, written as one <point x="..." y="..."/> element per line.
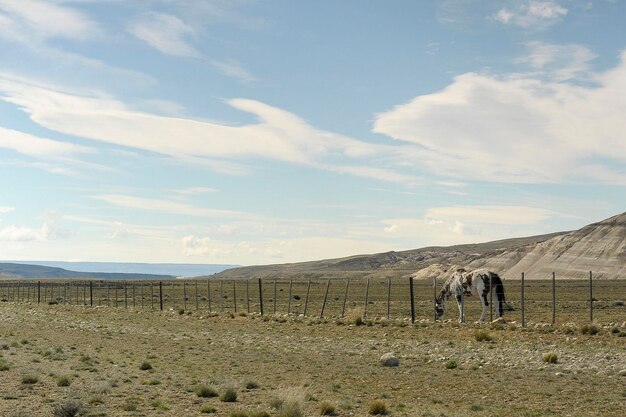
<point x="289" y="402"/>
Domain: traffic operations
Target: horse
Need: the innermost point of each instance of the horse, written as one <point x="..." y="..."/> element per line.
<point x="463" y="284"/>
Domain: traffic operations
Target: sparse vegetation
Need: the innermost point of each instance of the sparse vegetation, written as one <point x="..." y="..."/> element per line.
<point x="590" y="329"/>
<point x="229" y="395"/>
<point x="30" y="379"/>
<point x="204" y="391"/>
<point x="378" y="408"/>
<point x="67" y="409"/>
<point x="550" y="357"/>
<point x="327" y="409"/>
<point x="483" y="336"/>
<point x="451" y="364"/>
<point x="145" y="366"/>
<point x="63" y="381"/>
<point x="208" y="409"/>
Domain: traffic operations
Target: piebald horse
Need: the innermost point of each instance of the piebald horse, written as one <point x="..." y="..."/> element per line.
<point x="464" y="284"/>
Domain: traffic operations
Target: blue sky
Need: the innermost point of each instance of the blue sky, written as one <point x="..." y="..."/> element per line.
<point x="252" y="132"/>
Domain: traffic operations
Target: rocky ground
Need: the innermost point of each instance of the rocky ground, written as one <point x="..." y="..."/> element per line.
<point x="445" y="369"/>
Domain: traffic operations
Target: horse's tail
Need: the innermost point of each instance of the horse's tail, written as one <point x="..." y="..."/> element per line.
<point x="498" y="287"/>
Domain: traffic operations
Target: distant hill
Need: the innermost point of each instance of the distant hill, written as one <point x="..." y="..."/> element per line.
<point x="174" y="269"/>
<point x="21" y="271"/>
<point x="599" y="247"/>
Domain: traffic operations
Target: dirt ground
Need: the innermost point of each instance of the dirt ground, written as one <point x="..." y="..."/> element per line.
<point x="52" y="355"/>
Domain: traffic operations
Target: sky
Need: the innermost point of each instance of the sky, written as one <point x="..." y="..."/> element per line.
<point x="258" y="132"/>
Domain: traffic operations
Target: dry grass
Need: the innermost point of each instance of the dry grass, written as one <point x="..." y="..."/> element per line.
<point x="101" y="349"/>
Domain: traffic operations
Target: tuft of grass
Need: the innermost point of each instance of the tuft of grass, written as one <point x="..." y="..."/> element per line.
<point x="251" y="385"/>
<point x="590" y="329"/>
<point x="238" y="413"/>
<point x="289" y="403"/>
<point x="206" y="392"/>
<point x="550" y="357"/>
<point x="4" y="366"/>
<point x="160" y="405"/>
<point x="358" y="321"/>
<point x="145" y="366"/>
<point x="30" y="379"/>
<point x="327" y="409"/>
<point x="229" y="395"/>
<point x="451" y="364"/>
<point x="63" y="381"/>
<point x="378" y="408"/>
<point x="130" y="406"/>
<point x="483" y="336"/>
<point x="259" y="413"/>
<point x="208" y="409"/>
<point x="68" y="409"/>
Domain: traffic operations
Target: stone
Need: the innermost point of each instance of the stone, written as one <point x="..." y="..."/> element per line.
<point x="389" y="359"/>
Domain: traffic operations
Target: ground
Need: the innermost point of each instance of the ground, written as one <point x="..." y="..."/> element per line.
<point x="100" y="352"/>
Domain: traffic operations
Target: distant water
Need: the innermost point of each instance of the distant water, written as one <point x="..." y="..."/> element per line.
<point x="184" y="270"/>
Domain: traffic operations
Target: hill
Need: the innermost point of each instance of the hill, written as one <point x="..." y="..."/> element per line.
<point x="21" y="271"/>
<point x="599" y="247"/>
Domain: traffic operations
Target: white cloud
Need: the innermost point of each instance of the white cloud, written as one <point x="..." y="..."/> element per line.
<point x="37" y="147"/>
<point x="5" y="209"/>
<point x="517" y="129"/>
<point x="48" y="230"/>
<point x="43" y="19"/>
<point x="165" y="33"/>
<point x="277" y="135"/>
<point x="532" y="14"/>
<point x="168" y="206"/>
<point x="559" y="62"/>
<point x="234" y="69"/>
<point x="196" y="190"/>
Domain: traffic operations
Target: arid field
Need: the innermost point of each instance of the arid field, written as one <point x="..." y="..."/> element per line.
<point x="109" y="361"/>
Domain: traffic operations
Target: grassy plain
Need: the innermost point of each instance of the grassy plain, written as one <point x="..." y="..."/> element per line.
<point x="133" y="362"/>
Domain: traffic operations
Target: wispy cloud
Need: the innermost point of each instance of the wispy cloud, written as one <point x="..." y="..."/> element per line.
<point x="44" y="19"/>
<point x="559" y="62"/>
<point x="165" y="33"/>
<point x="531" y="14"/>
<point x="234" y="69"/>
<point x="277" y="135"/>
<point x="196" y="190"/>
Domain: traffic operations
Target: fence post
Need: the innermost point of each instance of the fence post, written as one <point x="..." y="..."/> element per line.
<point x="261" y="296"/>
<point x="196" y="285"/>
<point x="185" y="295"/>
<point x="435" y="298"/>
<point x="367" y="294"/>
<point x="553" y="298"/>
<point x="132" y="287"/>
<point x="388" y="297"/>
<point x="523" y="304"/>
<point x="275" y="295"/>
<point x="108" y="294"/>
<point x="91" y="293"/>
<point x="248" y="295"/>
<point x="289" y="300"/>
<point x="306" y="299"/>
<point x="222" y="295"/>
<point x="141" y="293"/>
<point x="235" y="295"/>
<point x="125" y="295"/>
<point x="173" y="297"/>
<point x="463" y="305"/>
<point x="345" y="298"/>
<point x="161" y="295"/>
<point x="325" y="299"/>
<point x="151" y="296"/>
<point x="38" y="292"/>
<point x="208" y="290"/>
<point x="590" y="297"/>
<point x="84" y="293"/>
<point x="490" y="298"/>
<point x="412" y="297"/>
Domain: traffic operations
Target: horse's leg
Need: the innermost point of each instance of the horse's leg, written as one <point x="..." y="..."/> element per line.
<point x="483" y="300"/>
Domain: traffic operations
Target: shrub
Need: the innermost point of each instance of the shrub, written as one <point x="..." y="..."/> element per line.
<point x="160" y="405"/>
<point x="208" y="409"/>
<point x="68" y="409"/>
<point x="451" y="364"/>
<point x="181" y="311"/>
<point x="358" y="321"/>
<point x="378" y="408"/>
<point x="483" y="336"/>
<point x="30" y="379"/>
<point x="327" y="409"/>
<point x="550" y="357"/>
<point x="63" y="381"/>
<point x="229" y="395"/>
<point x="4" y="366"/>
<point x="145" y="366"/>
<point x="251" y="385"/>
<point x="130" y="406"/>
<point x="238" y="414"/>
<point x="260" y="413"/>
<point x="590" y="329"/>
<point x="205" y="392"/>
<point x="290" y="403"/>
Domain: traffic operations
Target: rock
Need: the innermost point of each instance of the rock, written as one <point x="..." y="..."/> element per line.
<point x="389" y="359"/>
<point x="499" y="320"/>
<point x="622" y="372"/>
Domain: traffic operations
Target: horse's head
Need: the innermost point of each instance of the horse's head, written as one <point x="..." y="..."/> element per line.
<point x="440" y="306"/>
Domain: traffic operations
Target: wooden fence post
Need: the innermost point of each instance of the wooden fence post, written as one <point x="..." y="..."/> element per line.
<point x="197" y="305"/>
<point x="306" y="299"/>
<point x="367" y="294"/>
<point x="248" y="295"/>
<point x="125" y="295"/>
<point x="261" y="295"/>
<point x="161" y="295"/>
<point x="235" y="295"/>
<point x="412" y="297"/>
<point x="151" y="296"/>
<point x="132" y="287"/>
<point x="222" y="295"/>
<point x="523" y="304"/>
<point x="345" y="299"/>
<point x="289" y="300"/>
<point x="553" y="298"/>
<point x="173" y="297"/>
<point x="325" y="299"/>
<point x="185" y="295"/>
<point x="275" y="295"/>
<point x="38" y="292"/>
<point x="141" y="293"/>
<point x="590" y="297"/>
<point x="208" y="290"/>
<point x="435" y="298"/>
<point x="388" y="297"/>
<point x="91" y="293"/>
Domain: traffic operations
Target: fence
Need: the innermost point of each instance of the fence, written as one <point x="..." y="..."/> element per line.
<point x="532" y="301"/>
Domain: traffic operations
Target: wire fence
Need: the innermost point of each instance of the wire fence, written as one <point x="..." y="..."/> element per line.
<point x="552" y="301"/>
